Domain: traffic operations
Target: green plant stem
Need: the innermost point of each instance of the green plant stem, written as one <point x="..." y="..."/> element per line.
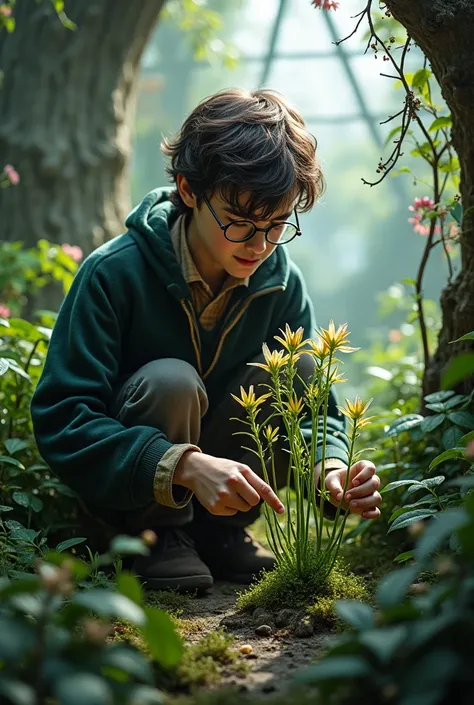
<point x="322" y="480"/>
<point x="346" y="482"/>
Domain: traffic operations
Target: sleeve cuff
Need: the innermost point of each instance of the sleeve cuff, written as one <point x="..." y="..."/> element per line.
<point x="165" y="493"/>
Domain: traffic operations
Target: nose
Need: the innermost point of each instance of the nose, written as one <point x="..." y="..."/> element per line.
<point x="257" y="245"/>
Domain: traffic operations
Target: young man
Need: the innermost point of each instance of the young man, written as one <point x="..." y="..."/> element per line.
<point x="133" y="407"/>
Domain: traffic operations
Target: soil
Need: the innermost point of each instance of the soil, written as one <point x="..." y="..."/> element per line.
<point x="274" y="657"/>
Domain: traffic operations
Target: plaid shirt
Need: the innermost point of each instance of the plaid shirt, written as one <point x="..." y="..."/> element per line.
<point x="208" y="306"/>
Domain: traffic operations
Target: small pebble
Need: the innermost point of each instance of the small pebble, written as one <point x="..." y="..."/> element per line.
<point x="264" y="630"/>
<point x="284" y="617"/>
<point x="246" y="649"/>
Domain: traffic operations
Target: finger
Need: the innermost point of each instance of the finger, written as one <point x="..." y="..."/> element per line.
<point x="240" y="485"/>
<point x="374" y="513"/>
<point x="372" y="485"/>
<point x="264" y="490"/>
<point x="364" y="503"/>
<point x="333" y="484"/>
<point x="220" y="510"/>
<point x="235" y="501"/>
<point x="360" y="472"/>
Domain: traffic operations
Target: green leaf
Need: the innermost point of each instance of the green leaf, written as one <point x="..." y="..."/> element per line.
<point x="358" y="614"/>
<point x="421" y="77"/>
<point x="455" y="401"/>
<point x="3" y="508"/>
<point x="21" y="498"/>
<point x="439" y="123"/>
<point x="7" y="460"/>
<point x="110" y="604"/>
<point x="144" y="695"/>
<point x="467" y="336"/>
<point x="439" y="530"/>
<point x="17" y="638"/>
<point x="399" y="483"/>
<point x="439" y="396"/>
<point x="335" y="667"/>
<point x="466" y="482"/>
<point x="164" y="642"/>
<point x="456" y="212"/>
<point x="458" y="369"/>
<point x="464" y="440"/>
<point x="451" y="454"/>
<point x="14" y="445"/>
<point x="128" y="585"/>
<point x="392" y="588"/>
<point x="4" y="366"/>
<point x="82" y="689"/>
<point x="402" y="557"/>
<point x="128" y="545"/>
<point x="392" y="133"/>
<point x="16" y="692"/>
<point x="451" y="437"/>
<point x="462" y="418"/>
<point x="385" y="641"/>
<point x="426" y="678"/>
<point x="439" y="407"/>
<point x="128" y="660"/>
<point x="69" y="543"/>
<point x="404" y="424"/>
<point x="410" y="517"/>
<point x="433" y="481"/>
<point x="429" y="423"/>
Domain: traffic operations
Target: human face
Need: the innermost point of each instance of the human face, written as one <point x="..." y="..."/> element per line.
<point x="216" y="257"/>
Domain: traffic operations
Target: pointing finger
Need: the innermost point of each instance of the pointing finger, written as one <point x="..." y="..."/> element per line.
<point x="264" y="490"/>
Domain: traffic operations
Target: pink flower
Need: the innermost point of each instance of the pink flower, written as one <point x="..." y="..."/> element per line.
<point x="4" y="311"/>
<point x="420" y="208"/>
<point x="5" y="11"/>
<point x="12" y="174"/>
<point x="73" y="251"/>
<point x="326" y="4"/>
<point x="395" y="336"/>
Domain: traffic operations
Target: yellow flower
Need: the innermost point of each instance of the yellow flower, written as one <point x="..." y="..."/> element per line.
<point x="319" y="348"/>
<point x="292" y="341"/>
<point x="295" y="405"/>
<point x="336" y="339"/>
<point x="275" y="360"/>
<point x="248" y="400"/>
<point x="271" y="434"/>
<point x="355" y="411"/>
<point x="336" y="378"/>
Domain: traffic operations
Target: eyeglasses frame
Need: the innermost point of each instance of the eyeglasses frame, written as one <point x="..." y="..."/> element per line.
<point x="224" y="228"/>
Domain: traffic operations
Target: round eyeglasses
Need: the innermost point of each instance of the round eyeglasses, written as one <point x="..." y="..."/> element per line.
<point x="243" y="230"/>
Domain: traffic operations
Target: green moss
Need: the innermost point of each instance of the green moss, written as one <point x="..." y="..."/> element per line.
<point x="173" y="602"/>
<point x="341" y="585"/>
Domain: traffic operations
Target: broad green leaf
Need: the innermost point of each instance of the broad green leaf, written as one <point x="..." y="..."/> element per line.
<point x="458" y="369"/>
<point x="21" y="498"/>
<point x="405" y="556"/>
<point x="392" y="588"/>
<point x="358" y="614"/>
<point x="16" y="692"/>
<point x="11" y="461"/>
<point x="433" y="481"/>
<point x="336" y="667"/>
<point x="456" y="212"/>
<point x="144" y="695"/>
<point x="451" y="454"/>
<point x="4" y="366"/>
<point x="69" y="543"/>
<point x="14" y="445"/>
<point x="455" y="401"/>
<point x="410" y="517"/>
<point x="82" y="689"/>
<point x="408" y="507"/>
<point x="467" y="336"/>
<point x="404" y="424"/>
<point x="420" y="78"/>
<point x="439" y="396"/>
<point x="128" y="545"/>
<point x="430" y="423"/>
<point x="462" y="418"/>
<point x="399" y="483"/>
<point x="385" y="641"/>
<point x="440" y="123"/>
<point x="464" y="440"/>
<point x="35" y="503"/>
<point x="3" y="508"/>
<point x="128" y="585"/>
<point x="451" y="437"/>
<point x="438" y="406"/>
<point x="439" y="530"/>
<point x="128" y="660"/>
<point x="160" y="634"/>
<point x="110" y="604"/>
<point x="17" y="638"/>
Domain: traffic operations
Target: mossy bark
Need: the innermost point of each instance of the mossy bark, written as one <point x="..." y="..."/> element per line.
<point x="444" y="30"/>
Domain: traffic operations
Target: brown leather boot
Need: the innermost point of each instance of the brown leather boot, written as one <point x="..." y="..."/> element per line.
<point x="173" y="564"/>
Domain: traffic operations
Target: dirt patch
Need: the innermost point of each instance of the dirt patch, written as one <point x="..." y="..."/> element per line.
<point x="275" y="653"/>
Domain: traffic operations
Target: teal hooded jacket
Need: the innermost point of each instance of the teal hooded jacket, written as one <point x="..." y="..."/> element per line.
<point x="128" y="305"/>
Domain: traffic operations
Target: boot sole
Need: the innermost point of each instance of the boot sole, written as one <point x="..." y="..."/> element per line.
<point x="188" y="583"/>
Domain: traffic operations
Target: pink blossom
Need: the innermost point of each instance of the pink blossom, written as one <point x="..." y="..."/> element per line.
<point x="326" y="4"/>
<point x="5" y="11"/>
<point x="73" y="251"/>
<point x="4" y="311"/>
<point x="395" y="336"/>
<point x="420" y="208"/>
<point x="12" y="174"/>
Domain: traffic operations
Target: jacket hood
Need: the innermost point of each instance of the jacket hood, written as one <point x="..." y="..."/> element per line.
<point x="150" y="224"/>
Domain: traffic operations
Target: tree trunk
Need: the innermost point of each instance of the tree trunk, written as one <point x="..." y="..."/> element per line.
<point x="444" y="30"/>
<point x="67" y="104"/>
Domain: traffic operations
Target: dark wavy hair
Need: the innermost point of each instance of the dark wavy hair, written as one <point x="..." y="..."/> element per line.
<point x="254" y="142"/>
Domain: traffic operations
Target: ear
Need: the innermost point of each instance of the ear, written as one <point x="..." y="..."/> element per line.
<point x="185" y="191"/>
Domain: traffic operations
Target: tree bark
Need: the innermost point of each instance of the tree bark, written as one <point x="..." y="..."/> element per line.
<point x="444" y="30"/>
<point x="67" y="104"/>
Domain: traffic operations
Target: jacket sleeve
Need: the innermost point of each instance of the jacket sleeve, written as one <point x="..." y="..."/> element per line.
<point x="299" y="312"/>
<point x="105" y="462"/>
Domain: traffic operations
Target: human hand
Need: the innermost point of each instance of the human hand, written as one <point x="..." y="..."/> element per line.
<point x="223" y="486"/>
<point x="362" y="496"/>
